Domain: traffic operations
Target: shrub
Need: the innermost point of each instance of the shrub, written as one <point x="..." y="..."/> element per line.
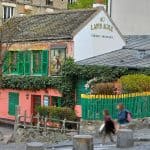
<point x="56" y="112"/>
<point x="135" y="83"/>
<point x="103" y="88"/>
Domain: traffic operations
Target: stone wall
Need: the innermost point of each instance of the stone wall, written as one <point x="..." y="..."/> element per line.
<point x="60" y="4"/>
<point x="33" y="135"/>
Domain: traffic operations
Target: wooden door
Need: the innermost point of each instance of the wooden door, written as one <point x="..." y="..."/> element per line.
<point x="36" y="101"/>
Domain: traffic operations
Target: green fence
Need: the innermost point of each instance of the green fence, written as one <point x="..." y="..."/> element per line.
<point x="93" y="105"/>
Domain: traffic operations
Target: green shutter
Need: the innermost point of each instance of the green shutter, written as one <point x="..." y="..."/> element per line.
<point x="27" y="63"/>
<point x="6" y="63"/>
<point x="45" y="62"/>
<point x="37" y="62"/>
<point x="20" y="62"/>
<point x="13" y="102"/>
<point x="13" y="61"/>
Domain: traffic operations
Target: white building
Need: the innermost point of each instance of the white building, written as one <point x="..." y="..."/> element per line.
<point x="97" y="36"/>
<point x="131" y="16"/>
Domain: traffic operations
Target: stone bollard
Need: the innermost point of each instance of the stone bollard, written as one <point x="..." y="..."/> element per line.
<point x="125" y="138"/>
<point x="34" y="146"/>
<point x="83" y="142"/>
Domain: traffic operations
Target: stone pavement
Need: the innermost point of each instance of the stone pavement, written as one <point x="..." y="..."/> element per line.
<point x="143" y="134"/>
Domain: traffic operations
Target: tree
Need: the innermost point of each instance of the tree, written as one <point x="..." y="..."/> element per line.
<point x="82" y="4"/>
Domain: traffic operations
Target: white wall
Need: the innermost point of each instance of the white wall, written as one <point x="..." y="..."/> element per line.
<point x="90" y="42"/>
<point x="132" y="16"/>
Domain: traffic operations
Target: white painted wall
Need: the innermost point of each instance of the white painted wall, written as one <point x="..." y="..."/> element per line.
<point x="131" y="16"/>
<point x="89" y="42"/>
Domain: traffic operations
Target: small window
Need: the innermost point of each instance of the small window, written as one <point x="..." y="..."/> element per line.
<point x="46" y="101"/>
<point x="49" y="2"/>
<point x="8" y="12"/>
<point x="71" y="1"/>
<point x="56" y="101"/>
<point x="57" y="59"/>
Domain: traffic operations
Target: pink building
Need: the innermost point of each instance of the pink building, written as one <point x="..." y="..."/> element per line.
<point x="38" y="45"/>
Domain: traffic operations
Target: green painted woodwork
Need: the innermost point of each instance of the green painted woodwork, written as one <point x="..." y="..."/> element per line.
<point x="20" y="62"/>
<point x="45" y="63"/>
<point x="37" y="62"/>
<point x="27" y="62"/>
<point x="6" y="63"/>
<point x="92" y="108"/>
<point x="13" y="102"/>
<point x="80" y="89"/>
<point x="13" y="59"/>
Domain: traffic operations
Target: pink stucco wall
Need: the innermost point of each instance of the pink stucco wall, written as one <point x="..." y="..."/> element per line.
<point x="24" y="102"/>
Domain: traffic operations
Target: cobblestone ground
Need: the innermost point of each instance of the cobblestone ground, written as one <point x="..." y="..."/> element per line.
<point x="144" y="133"/>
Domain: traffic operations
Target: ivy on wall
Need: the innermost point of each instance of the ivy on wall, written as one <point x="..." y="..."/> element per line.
<point x="71" y="73"/>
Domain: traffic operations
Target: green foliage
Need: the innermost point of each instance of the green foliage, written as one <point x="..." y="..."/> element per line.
<point x="30" y="83"/>
<point x="82" y="4"/>
<point x="135" y="83"/>
<point x="56" y="112"/>
<point x="71" y="73"/>
<point x="104" y="73"/>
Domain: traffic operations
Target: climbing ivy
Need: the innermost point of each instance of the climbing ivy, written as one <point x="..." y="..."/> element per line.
<point x="71" y="73"/>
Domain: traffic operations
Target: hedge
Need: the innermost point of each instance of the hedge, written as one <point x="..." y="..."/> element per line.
<point x="135" y="83"/>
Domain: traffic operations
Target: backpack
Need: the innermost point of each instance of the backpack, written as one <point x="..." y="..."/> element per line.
<point x="128" y="116"/>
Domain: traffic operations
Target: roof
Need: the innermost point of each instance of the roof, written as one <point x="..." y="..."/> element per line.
<point x="126" y="57"/>
<point x="59" y="25"/>
<point x="141" y="42"/>
<point x="120" y="58"/>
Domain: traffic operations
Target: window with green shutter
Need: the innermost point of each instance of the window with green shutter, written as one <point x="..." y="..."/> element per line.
<point x="13" y="58"/>
<point x="27" y="62"/>
<point x="45" y="62"/>
<point x="20" y="62"/>
<point x="37" y="62"/>
<point x="6" y="63"/>
<point x="23" y="62"/>
<point x="13" y="102"/>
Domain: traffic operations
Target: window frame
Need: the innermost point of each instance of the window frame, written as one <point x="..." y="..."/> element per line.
<point x="8" y="12"/>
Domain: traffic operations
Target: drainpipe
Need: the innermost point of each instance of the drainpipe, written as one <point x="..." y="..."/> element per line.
<point x="109" y="7"/>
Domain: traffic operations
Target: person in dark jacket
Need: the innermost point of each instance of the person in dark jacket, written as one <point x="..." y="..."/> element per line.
<point x="109" y="128"/>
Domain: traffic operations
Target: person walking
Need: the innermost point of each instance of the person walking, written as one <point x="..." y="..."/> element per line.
<point x="124" y="116"/>
<point x="109" y="127"/>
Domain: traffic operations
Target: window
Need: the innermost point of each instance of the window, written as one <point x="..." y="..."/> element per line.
<point x="8" y="12"/>
<point x="40" y="62"/>
<point x="71" y="1"/>
<point x="57" y="58"/>
<point x="37" y="60"/>
<point x="13" y="62"/>
<point x="49" y="2"/>
<point x="56" y="101"/>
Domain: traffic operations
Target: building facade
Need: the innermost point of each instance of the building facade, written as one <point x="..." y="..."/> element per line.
<point x="131" y="16"/>
<point x="34" y="49"/>
<point x="9" y="8"/>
